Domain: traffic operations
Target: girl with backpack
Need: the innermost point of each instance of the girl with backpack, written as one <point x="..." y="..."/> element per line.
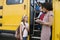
<point x="22" y="31"/>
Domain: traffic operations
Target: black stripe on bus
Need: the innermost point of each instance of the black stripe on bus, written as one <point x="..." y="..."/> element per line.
<point x="1" y="7"/>
<point x="0" y="24"/>
<point x="0" y="16"/>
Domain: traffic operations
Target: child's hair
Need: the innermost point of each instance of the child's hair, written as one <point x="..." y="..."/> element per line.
<point x="23" y="19"/>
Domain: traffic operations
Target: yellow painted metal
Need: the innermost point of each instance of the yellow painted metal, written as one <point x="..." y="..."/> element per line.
<point x="56" y="32"/>
<point x="53" y="27"/>
<point x="1" y="10"/>
<point x="12" y="14"/>
<point x="1" y="2"/>
<point x="57" y="20"/>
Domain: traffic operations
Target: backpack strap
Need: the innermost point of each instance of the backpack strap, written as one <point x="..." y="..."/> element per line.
<point x="23" y="31"/>
<point x="18" y="31"/>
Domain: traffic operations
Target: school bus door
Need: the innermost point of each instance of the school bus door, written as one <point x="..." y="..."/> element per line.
<point x="13" y="10"/>
<point x="56" y="7"/>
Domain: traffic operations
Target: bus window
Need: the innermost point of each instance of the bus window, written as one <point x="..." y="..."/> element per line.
<point x="10" y="2"/>
<point x="42" y="1"/>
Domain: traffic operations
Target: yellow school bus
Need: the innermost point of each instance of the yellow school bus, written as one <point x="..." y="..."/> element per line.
<point x="11" y="12"/>
<point x="56" y="26"/>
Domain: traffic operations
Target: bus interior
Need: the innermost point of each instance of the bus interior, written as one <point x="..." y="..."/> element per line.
<point x="35" y="32"/>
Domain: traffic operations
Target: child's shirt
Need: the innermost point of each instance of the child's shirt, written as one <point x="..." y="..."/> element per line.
<point x="25" y="32"/>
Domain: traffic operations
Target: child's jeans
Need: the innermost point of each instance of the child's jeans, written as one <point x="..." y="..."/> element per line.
<point x="24" y="38"/>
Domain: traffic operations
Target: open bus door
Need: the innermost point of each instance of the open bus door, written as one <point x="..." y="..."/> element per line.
<point x="35" y="33"/>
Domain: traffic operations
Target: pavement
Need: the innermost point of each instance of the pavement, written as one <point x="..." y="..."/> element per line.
<point x="5" y="36"/>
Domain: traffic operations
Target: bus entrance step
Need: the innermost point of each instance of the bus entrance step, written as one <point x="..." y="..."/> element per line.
<point x="35" y="38"/>
<point x="36" y="30"/>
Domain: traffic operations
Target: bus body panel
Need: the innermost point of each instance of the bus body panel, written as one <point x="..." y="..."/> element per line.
<point x="12" y="14"/>
<point x="56" y="32"/>
<point x="1" y="12"/>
